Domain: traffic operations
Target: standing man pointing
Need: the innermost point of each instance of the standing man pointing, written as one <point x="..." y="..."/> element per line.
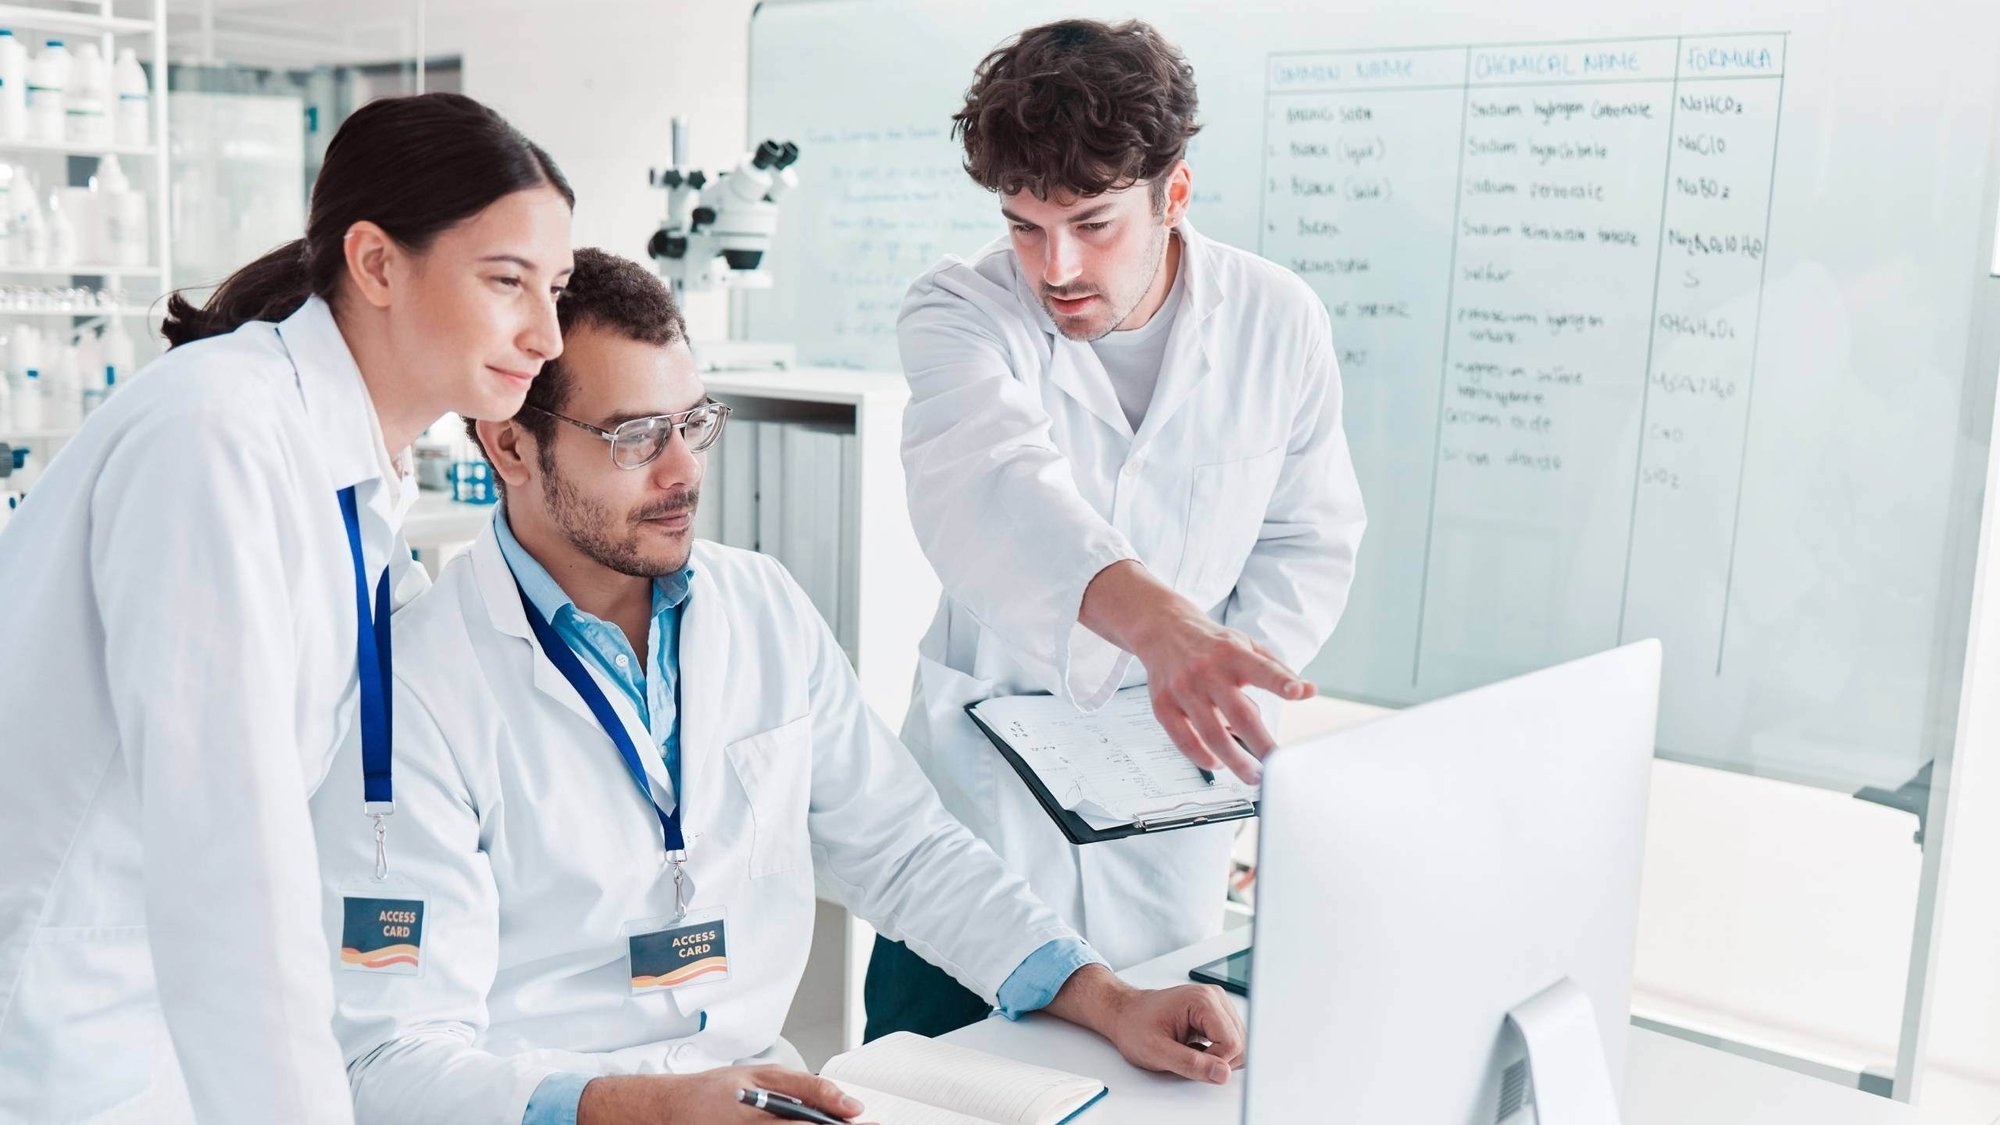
<point x="1126" y="464"/>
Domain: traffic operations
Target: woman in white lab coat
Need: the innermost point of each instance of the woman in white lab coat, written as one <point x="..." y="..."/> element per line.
<point x="186" y="603"/>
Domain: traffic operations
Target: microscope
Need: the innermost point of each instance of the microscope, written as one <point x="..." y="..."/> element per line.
<point x="717" y="230"/>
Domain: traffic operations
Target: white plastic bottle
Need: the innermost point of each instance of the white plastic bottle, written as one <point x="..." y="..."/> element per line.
<point x="13" y="87"/>
<point x="86" y="218"/>
<point x="33" y="231"/>
<point x="62" y="390"/>
<point x="6" y="408"/>
<point x="92" y="378"/>
<point x="90" y="351"/>
<point x="87" y="98"/>
<point x="62" y="233"/>
<point x="125" y="232"/>
<point x="30" y="227"/>
<point x="9" y="245"/>
<point x="26" y="471"/>
<point x="47" y="76"/>
<point x="120" y="354"/>
<point x="24" y="352"/>
<point x="95" y="391"/>
<point x="67" y="391"/>
<point x="132" y="119"/>
<point x="23" y="181"/>
<point x="96" y="388"/>
<point x="28" y="412"/>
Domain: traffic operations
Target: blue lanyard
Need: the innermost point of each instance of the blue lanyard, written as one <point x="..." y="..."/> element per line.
<point x="375" y="664"/>
<point x="566" y="662"/>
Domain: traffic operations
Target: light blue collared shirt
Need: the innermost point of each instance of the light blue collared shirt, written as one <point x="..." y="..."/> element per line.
<point x="650" y="686"/>
<point x="651" y="689"/>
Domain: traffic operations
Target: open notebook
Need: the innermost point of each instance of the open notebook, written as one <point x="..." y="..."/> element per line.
<point x="907" y="1079"/>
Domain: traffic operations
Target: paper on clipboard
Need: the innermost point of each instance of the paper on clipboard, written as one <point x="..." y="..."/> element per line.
<point x="1113" y="766"/>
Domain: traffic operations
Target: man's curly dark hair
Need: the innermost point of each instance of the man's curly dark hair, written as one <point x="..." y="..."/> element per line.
<point x="1078" y="107"/>
<point x="604" y="291"/>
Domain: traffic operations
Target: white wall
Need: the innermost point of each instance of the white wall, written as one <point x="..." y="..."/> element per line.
<point x="1770" y="913"/>
<point x="596" y="83"/>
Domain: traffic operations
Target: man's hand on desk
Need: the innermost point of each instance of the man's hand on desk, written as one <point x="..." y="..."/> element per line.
<point x="1153" y="1027"/>
<point x="704" y="1098"/>
<point x="1196" y="670"/>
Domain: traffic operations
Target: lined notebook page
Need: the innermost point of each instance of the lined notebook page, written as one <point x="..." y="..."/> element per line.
<point x="958" y="1078"/>
<point x="879" y="1108"/>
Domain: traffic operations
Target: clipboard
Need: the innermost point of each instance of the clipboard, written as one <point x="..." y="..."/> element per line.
<point x="1079" y="831"/>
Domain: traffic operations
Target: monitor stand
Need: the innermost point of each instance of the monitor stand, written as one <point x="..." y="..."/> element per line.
<point x="1571" y="1080"/>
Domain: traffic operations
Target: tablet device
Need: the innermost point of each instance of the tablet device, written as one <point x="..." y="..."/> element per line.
<point x="1231" y="972"/>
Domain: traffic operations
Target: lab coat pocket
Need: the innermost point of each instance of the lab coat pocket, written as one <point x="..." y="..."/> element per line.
<point x="775" y="769"/>
<point x="88" y="1021"/>
<point x="1226" y="508"/>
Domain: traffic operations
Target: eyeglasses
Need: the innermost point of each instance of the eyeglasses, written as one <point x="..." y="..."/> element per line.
<point x="640" y="441"/>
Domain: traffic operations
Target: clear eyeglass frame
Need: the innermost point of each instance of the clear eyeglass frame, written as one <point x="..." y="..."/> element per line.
<point x="638" y="442"/>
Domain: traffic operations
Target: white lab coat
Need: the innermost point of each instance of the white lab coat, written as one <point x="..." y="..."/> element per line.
<point x="177" y="608"/>
<point x="517" y="823"/>
<point x="1025" y="480"/>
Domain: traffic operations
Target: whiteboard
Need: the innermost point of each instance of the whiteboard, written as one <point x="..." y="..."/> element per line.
<point x="1650" y="326"/>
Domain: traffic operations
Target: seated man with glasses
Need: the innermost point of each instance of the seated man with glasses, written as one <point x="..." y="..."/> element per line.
<point x="620" y="755"/>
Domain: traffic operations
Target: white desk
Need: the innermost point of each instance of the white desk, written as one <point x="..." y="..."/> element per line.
<point x="1668" y="1081"/>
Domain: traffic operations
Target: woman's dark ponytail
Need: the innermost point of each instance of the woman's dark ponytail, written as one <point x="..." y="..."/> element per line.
<point x="415" y="166"/>
<point x="270" y="288"/>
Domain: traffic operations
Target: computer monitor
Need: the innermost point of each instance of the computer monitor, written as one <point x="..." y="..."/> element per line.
<point x="1423" y="876"/>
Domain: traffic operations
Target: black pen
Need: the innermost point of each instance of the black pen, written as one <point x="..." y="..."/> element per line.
<point x="785" y="1106"/>
<point x="1206" y="775"/>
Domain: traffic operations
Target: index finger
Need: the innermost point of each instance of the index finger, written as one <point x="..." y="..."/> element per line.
<point x="1260" y="670"/>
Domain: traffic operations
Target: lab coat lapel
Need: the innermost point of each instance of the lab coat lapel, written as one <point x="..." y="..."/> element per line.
<point x="1075" y="368"/>
<point x="703" y="661"/>
<point x="335" y="395"/>
<point x="651" y="759"/>
<point x="503" y="606"/>
<point x="345" y="423"/>
<point x="1191" y="346"/>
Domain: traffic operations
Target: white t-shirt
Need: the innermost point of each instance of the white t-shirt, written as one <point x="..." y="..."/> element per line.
<point x="1133" y="358"/>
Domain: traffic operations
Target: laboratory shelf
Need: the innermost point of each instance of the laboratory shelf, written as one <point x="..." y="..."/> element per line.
<point x="82" y="310"/>
<point x="71" y="23"/>
<point x="84" y="269"/>
<point x="73" y="148"/>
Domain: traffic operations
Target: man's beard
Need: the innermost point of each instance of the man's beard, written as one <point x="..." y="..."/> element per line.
<point x="594" y="530"/>
<point x="1132" y="302"/>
